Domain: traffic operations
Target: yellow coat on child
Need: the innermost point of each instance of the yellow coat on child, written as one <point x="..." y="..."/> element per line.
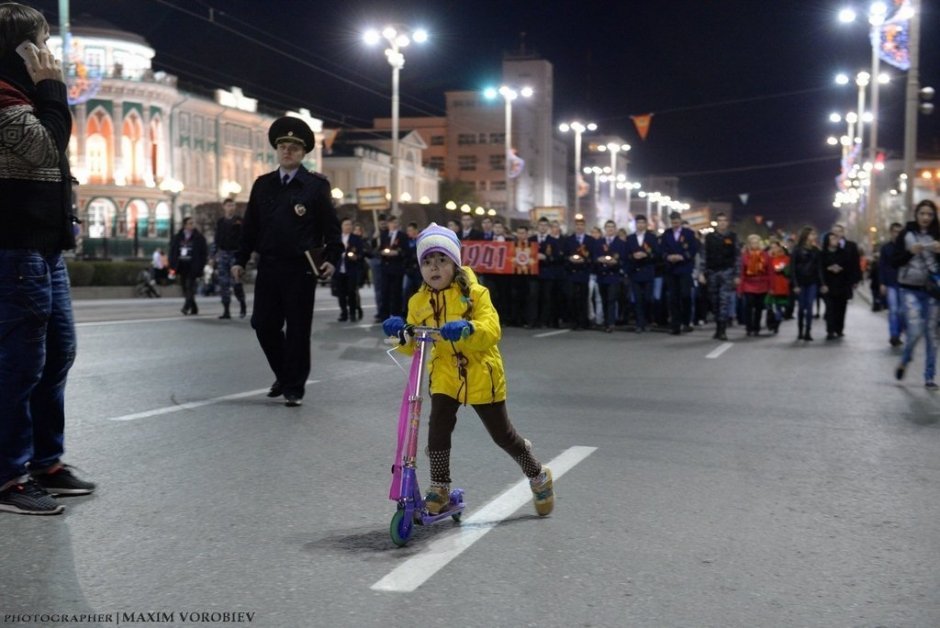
<point x="483" y="380"/>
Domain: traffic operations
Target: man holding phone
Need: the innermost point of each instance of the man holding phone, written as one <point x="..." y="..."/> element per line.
<point x="37" y="331"/>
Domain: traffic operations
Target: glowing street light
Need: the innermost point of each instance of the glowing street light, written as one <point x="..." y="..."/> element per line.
<point x="509" y="94"/>
<point x="397" y="38"/>
<point x="577" y="128"/>
<point x="614" y="148"/>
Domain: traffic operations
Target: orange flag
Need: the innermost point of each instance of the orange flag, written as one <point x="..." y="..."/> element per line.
<point x="642" y="124"/>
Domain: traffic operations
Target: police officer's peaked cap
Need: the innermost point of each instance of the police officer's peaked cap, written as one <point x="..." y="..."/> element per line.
<point x="291" y="129"/>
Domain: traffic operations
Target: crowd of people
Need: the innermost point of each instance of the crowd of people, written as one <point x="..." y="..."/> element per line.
<point x="606" y="279"/>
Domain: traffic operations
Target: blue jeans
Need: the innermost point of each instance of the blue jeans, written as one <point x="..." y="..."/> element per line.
<point x="37" y="349"/>
<point x="922" y="313"/>
<point x="895" y="313"/>
<point x="804" y="305"/>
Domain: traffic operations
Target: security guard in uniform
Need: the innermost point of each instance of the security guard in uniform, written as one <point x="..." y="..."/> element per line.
<point x="290" y="213"/>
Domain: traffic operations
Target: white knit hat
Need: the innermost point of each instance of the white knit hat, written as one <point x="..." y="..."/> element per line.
<point x="438" y="239"/>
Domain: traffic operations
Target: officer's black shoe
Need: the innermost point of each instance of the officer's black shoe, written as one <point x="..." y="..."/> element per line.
<point x="184" y="311"/>
<point x="292" y="402"/>
<point x="343" y="318"/>
<point x="243" y="311"/>
<point x="276" y="390"/>
<point x="194" y="311"/>
<point x="225" y="313"/>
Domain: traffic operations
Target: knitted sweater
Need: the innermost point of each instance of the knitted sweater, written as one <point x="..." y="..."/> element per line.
<point x="35" y="185"/>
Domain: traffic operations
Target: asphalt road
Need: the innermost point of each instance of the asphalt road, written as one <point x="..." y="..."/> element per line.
<point x="771" y="484"/>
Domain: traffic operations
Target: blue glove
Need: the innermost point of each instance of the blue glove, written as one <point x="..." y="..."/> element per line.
<point x="393" y="325"/>
<point x="455" y="330"/>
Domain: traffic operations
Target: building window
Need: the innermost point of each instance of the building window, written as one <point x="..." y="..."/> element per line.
<point x="98" y="219"/>
<point x="497" y="138"/>
<point x="497" y="185"/>
<point x="497" y="162"/>
<point x="437" y="140"/>
<point x="466" y="163"/>
<point x="466" y="139"/>
<point x="436" y="162"/>
<point x="96" y="152"/>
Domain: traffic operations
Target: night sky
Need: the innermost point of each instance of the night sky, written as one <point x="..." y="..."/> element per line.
<point x="733" y="84"/>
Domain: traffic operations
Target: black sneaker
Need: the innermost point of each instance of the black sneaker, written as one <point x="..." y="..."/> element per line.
<point x="276" y="390"/>
<point x="28" y="498"/>
<point x="63" y="482"/>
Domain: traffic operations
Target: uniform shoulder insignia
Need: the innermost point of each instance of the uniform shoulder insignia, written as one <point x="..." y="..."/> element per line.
<point x="319" y="175"/>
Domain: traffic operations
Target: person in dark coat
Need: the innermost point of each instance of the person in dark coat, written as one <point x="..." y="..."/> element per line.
<point x="577" y="251"/>
<point x="806" y="277"/>
<point x="838" y="282"/>
<point x="228" y="237"/>
<point x="345" y="281"/>
<point x="291" y="222"/>
<point x="888" y="286"/>
<point x="188" y="255"/>
<point x="609" y="254"/>
<point x="642" y="256"/>
<point x="679" y="247"/>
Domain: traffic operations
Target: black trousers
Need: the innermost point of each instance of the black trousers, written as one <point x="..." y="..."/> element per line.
<point x="282" y="318"/>
<point x="679" y="288"/>
<point x="836" y="304"/>
<point x="642" y="298"/>
<point x="187" y="277"/>
<point x="577" y="295"/>
<point x="392" y="290"/>
<point x="753" y="306"/>
<point x="610" y="296"/>
<point x="347" y="292"/>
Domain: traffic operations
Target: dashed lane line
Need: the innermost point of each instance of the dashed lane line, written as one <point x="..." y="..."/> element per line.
<point x="419" y="568"/>
<point x="552" y="333"/>
<point x="191" y="405"/>
<point x="721" y="349"/>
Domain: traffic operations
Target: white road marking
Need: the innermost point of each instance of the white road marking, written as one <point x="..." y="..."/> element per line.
<point x="551" y="333"/>
<point x="418" y="569"/>
<point x="193" y="404"/>
<point x="180" y="317"/>
<point x="721" y="349"/>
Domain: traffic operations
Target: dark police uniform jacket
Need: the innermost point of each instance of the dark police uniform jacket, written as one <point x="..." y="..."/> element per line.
<point x="284" y="221"/>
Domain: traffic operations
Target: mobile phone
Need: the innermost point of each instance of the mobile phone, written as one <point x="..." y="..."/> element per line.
<point x="23" y="47"/>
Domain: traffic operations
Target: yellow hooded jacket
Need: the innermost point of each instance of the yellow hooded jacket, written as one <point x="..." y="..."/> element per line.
<point x="483" y="379"/>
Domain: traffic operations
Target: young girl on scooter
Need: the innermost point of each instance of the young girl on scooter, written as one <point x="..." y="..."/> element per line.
<point x="465" y="365"/>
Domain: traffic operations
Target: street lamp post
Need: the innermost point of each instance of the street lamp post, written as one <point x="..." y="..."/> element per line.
<point x="613" y="148"/>
<point x="578" y="128"/>
<point x="509" y="94"/>
<point x="173" y="188"/>
<point x="397" y="38"/>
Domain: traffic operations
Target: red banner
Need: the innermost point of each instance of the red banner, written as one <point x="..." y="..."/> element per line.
<point x="500" y="258"/>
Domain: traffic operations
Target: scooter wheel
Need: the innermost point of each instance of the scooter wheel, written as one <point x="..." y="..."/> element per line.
<point x="400" y="528"/>
<point x="456" y="517"/>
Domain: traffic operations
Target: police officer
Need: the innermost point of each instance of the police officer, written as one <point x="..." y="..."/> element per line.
<point x="289" y="216"/>
<point x="228" y="235"/>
